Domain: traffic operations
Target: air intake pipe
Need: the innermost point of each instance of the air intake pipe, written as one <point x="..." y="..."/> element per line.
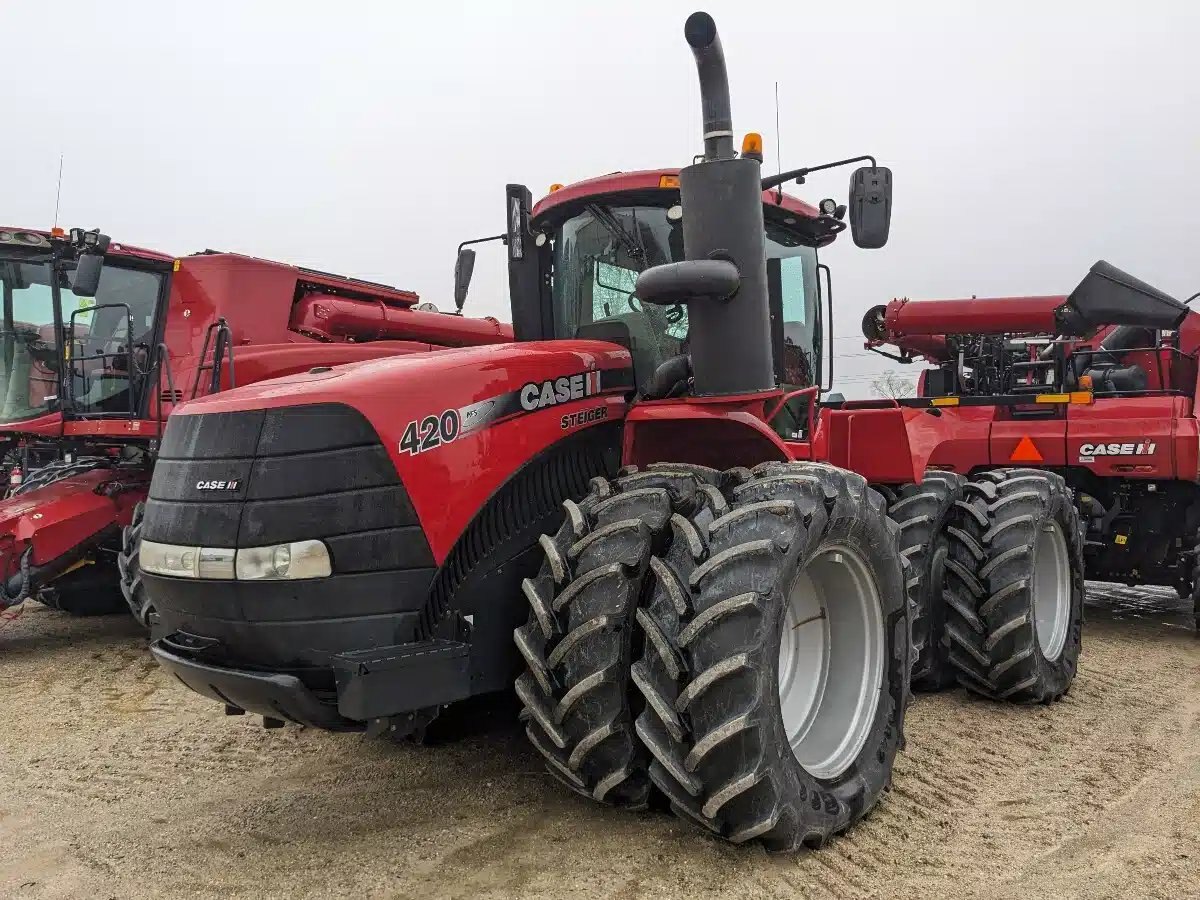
<point x="724" y="278"/>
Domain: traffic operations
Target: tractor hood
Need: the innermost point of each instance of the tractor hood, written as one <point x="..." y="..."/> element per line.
<point x="1109" y="296"/>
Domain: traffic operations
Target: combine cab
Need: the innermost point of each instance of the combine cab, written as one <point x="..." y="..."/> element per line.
<point x="102" y="341"/>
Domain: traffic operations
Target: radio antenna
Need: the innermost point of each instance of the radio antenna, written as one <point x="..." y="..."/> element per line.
<point x="58" y="192"/>
<point x="778" y="149"/>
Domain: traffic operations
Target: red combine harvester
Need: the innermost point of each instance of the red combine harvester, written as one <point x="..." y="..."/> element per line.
<point x="102" y="340"/>
<point x="1099" y="387"/>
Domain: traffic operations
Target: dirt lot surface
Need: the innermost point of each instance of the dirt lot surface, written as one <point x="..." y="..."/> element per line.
<point x="115" y="782"/>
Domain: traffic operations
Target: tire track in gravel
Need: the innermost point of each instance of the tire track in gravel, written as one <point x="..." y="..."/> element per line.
<point x="115" y="781"/>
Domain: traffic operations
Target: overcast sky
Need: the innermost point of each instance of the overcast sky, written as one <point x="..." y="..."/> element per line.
<point x="1027" y="140"/>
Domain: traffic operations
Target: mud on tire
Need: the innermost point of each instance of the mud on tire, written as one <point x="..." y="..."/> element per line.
<point x="922" y="512"/>
<point x="710" y="667"/>
<point x="128" y="562"/>
<point x="1015" y="557"/>
<point x="580" y="639"/>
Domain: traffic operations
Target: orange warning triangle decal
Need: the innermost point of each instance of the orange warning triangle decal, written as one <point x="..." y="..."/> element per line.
<point x="1025" y="452"/>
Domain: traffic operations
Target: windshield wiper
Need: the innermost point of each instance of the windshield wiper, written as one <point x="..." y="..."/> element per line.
<point x="612" y="225"/>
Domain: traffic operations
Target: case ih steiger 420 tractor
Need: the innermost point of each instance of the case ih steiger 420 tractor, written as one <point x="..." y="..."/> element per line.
<point x="100" y="341"/>
<point x="640" y="505"/>
<point x="1099" y="387"/>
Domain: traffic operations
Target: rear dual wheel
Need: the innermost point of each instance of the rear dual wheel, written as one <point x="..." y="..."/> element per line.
<point x="923" y="512"/>
<point x="1016" y="556"/>
<point x="763" y="620"/>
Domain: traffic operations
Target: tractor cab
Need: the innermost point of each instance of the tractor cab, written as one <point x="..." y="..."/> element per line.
<point x="79" y="319"/>
<point x="575" y="257"/>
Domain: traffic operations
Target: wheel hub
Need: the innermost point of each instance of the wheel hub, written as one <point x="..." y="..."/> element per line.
<point x="831" y="661"/>
<point x="1051" y="590"/>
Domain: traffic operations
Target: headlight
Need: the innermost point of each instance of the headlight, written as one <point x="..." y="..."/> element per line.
<point x="295" y="560"/>
<point x="299" y="559"/>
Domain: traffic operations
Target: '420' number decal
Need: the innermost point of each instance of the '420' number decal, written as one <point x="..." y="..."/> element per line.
<point x="430" y="432"/>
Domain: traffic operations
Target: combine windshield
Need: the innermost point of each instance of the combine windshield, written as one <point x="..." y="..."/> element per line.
<point x="31" y="343"/>
<point x="599" y="253"/>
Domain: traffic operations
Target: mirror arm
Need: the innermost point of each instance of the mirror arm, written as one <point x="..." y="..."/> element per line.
<point x="799" y="174"/>
<point x="503" y="238"/>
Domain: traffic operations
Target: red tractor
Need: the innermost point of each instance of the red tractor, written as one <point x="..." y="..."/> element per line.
<point x="101" y="341"/>
<point x="1098" y="387"/>
<point x="722" y="616"/>
<point x="639" y="491"/>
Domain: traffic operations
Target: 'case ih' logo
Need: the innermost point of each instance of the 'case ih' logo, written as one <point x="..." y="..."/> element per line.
<point x="1133" y="449"/>
<point x="560" y="390"/>
<point x="217" y="485"/>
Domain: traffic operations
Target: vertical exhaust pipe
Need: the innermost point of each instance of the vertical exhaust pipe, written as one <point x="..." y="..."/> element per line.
<point x="730" y="339"/>
<point x="701" y="33"/>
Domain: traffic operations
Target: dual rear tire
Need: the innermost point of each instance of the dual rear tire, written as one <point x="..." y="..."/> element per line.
<point x="1015" y="562"/>
<point x="998" y="562"/>
<point x="739" y="642"/>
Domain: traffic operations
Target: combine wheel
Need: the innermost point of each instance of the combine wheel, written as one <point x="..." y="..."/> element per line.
<point x="776" y="655"/>
<point x="580" y="639"/>
<point x="131" y="572"/>
<point x="1016" y="558"/>
<point x="923" y="511"/>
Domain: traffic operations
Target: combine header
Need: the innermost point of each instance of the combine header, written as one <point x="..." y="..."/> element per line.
<point x="101" y="341"/>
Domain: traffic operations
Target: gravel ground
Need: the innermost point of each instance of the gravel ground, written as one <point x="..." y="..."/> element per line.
<point x="115" y="782"/>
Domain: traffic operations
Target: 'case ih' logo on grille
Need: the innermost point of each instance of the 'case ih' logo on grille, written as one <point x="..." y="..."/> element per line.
<point x="217" y="485"/>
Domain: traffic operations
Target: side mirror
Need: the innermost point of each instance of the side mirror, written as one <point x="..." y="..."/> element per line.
<point x="464" y="266"/>
<point x="87" y="275"/>
<point x="871" y="206"/>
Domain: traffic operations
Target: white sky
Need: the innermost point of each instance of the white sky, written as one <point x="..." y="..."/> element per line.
<point x="1027" y="140"/>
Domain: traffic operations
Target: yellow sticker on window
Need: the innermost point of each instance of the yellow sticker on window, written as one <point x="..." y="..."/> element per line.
<point x="1121" y="539"/>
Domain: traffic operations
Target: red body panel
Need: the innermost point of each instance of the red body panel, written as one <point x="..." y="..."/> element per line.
<point x="60" y="516"/>
<point x="448" y="485"/>
<point x="719" y="433"/>
<point x="1148" y="424"/>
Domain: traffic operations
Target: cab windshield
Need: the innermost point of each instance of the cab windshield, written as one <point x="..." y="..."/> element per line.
<point x="119" y="317"/>
<point x="599" y="252"/>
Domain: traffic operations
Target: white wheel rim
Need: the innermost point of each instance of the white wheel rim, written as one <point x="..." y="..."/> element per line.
<point x="831" y="661"/>
<point x="1051" y="590"/>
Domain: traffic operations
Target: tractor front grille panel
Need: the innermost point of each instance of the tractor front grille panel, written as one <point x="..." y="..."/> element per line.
<point x="262" y="477"/>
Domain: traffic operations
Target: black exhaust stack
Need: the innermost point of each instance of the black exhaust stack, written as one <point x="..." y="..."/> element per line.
<point x="724" y="280"/>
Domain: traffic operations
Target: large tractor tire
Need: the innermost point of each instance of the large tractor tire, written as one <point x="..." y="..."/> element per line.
<point x="128" y="562"/>
<point x="580" y="640"/>
<point x="923" y="512"/>
<point x="776" y="658"/>
<point x="768" y="618"/>
<point x="1016" y="552"/>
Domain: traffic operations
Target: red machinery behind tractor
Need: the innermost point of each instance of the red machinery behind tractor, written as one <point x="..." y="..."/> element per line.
<point x="727" y="617"/>
<point x="102" y="340"/>
<point x="1099" y="387"/>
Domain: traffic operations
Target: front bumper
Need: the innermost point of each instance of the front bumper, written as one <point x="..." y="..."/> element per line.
<point x="273" y="695"/>
<point x="368" y="684"/>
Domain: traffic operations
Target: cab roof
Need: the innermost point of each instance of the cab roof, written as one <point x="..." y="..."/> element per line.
<point x="646" y="179"/>
<point x="115" y="248"/>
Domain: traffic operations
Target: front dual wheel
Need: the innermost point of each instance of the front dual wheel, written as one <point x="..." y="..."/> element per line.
<point x="738" y="641"/>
